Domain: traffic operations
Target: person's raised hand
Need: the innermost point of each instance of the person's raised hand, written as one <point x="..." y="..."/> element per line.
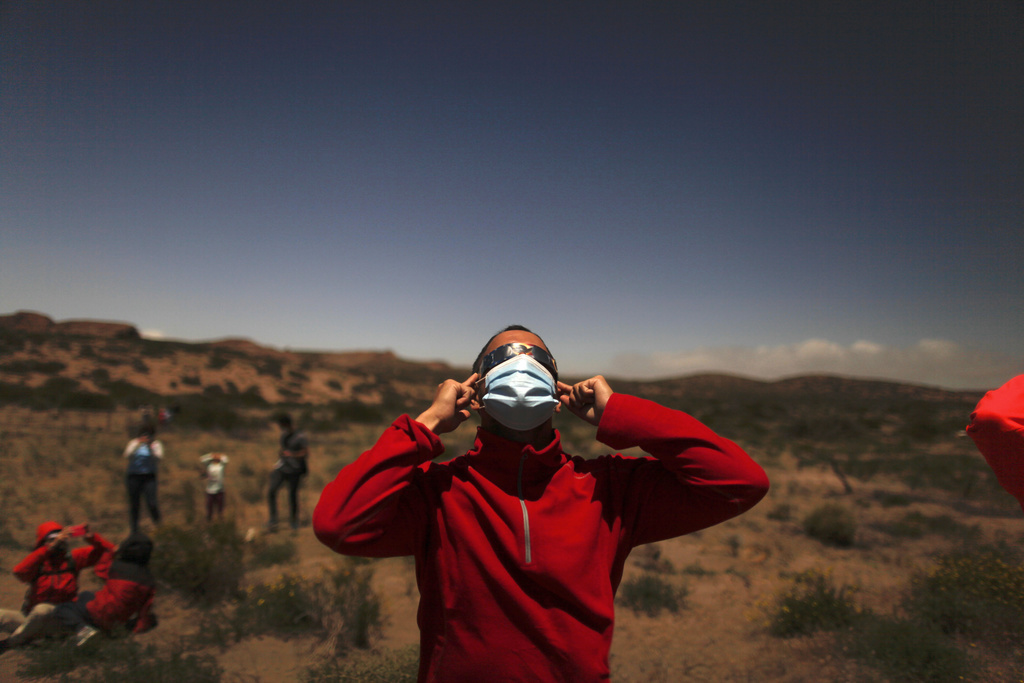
<point x="451" y="406"/>
<point x="587" y="399"/>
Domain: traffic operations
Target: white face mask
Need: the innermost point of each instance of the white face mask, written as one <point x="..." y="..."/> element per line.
<point x="520" y="393"/>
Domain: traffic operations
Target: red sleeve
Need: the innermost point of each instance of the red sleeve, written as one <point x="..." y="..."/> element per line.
<point x="374" y="508"/>
<point x="28" y="569"/>
<point x="997" y="427"/>
<point x="106" y="559"/>
<point x="88" y="557"/>
<point x="145" y="620"/>
<point x="696" y="478"/>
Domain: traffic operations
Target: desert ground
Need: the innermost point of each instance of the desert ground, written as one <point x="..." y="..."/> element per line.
<point x="66" y="465"/>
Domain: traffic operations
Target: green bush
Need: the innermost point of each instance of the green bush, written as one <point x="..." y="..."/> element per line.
<point x="892" y="499"/>
<point x="23" y="367"/>
<point x="340" y="605"/>
<point x="387" y="666"/>
<point x="695" y="569"/>
<point x="209" y="413"/>
<point x="286" y="606"/>
<point x="812" y="604"/>
<point x="649" y="594"/>
<point x="116" y="658"/>
<point x="906" y="651"/>
<point x="204" y="563"/>
<point x="916" y="525"/>
<point x="266" y="553"/>
<point x="977" y="592"/>
<point x="831" y="523"/>
<point x="348" y="608"/>
<point x="218" y="360"/>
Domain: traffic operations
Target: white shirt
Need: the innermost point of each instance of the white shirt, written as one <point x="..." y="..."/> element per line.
<point x="214" y="472"/>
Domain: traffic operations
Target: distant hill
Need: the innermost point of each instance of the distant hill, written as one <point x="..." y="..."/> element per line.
<point x="85" y="364"/>
<point x="94" y="364"/>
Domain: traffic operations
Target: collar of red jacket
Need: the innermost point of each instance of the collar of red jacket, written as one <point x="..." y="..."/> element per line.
<point x="496" y="450"/>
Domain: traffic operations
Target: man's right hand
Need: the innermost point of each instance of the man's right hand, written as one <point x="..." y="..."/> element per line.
<point x="450" y="407"/>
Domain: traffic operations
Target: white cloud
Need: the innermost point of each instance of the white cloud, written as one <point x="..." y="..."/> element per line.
<point x="931" y="361"/>
<point x="153" y="334"/>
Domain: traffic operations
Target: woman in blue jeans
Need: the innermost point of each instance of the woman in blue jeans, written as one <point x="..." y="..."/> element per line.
<point x="144" y="454"/>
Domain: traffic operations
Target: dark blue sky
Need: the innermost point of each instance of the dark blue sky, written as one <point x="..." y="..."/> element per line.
<point x="657" y="188"/>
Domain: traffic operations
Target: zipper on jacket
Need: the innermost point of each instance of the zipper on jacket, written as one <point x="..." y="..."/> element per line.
<point x="526" y="517"/>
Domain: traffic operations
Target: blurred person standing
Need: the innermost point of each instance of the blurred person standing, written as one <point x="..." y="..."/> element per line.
<point x="51" y="572"/>
<point x="289" y="469"/>
<point x="213" y="474"/>
<point x="520" y="546"/>
<point x="143" y="454"/>
<point x="997" y="427"/>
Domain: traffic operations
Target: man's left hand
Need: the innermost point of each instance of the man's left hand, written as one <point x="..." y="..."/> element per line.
<point x="587" y="399"/>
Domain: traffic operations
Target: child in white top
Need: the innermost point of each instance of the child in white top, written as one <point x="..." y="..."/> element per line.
<point x="213" y="473"/>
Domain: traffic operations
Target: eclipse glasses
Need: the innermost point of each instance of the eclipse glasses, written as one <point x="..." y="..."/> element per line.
<point x="507" y="351"/>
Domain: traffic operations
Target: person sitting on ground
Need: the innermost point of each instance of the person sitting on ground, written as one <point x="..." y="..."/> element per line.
<point x="51" y="572"/>
<point x="126" y="598"/>
<point x="213" y="472"/>
<point x="997" y="427"/>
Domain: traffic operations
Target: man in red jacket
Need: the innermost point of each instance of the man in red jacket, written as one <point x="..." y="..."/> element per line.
<point x="520" y="546"/>
<point x="51" y="573"/>
<point x="997" y="427"/>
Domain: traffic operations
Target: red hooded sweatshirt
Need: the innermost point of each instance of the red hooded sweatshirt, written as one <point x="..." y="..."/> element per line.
<point x="997" y="427"/>
<point x="54" y="579"/>
<point x="519" y="552"/>
<point x="128" y="588"/>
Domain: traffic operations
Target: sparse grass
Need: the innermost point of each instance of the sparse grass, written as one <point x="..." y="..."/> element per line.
<point x="649" y="559"/>
<point x="812" y="603"/>
<point x="916" y="525"/>
<point x="781" y="512"/>
<point x="976" y="592"/>
<point x="892" y="499"/>
<point x="7" y="539"/>
<point x="340" y="604"/>
<point x="267" y="553"/>
<point x="649" y="594"/>
<point x="385" y="666"/>
<point x="905" y="650"/>
<point x="695" y="569"/>
<point x="285" y="606"/>
<point x="831" y="523"/>
<point x="117" y="658"/>
<point x="24" y="367"/>
<point x="49" y="459"/>
<point x="203" y="563"/>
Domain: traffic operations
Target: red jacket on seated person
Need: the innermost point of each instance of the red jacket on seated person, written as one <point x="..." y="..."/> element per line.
<point x="51" y="571"/>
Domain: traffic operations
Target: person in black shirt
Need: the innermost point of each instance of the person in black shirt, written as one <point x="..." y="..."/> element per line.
<point x="290" y="468"/>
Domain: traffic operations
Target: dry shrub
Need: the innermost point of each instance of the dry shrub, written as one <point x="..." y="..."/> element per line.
<point x="649" y="593"/>
<point x="386" y="666"/>
<point x="831" y="523"/>
<point x="812" y="603"/>
<point x="977" y="592"/>
<point x="203" y="563"/>
<point x="340" y="604"/>
<point x="904" y="650"/>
